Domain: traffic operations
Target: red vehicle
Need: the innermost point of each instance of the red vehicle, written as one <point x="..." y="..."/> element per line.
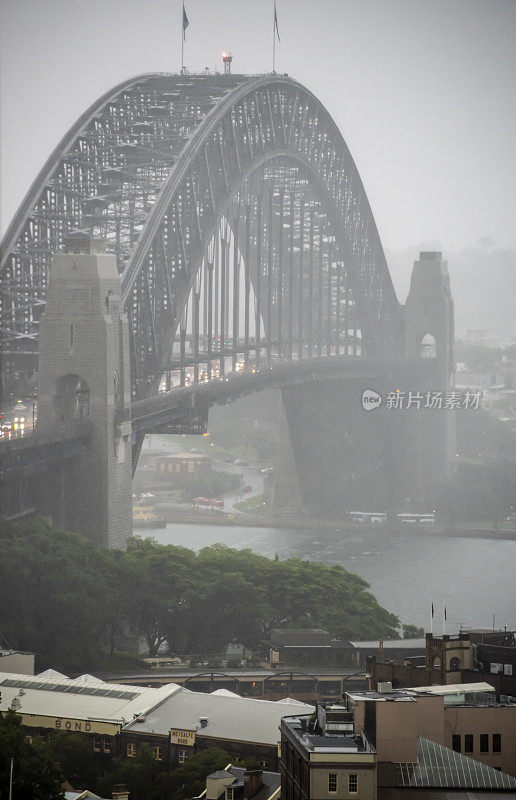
<point x="216" y="503"/>
<point x="207" y="502"/>
<point x="200" y="501"/>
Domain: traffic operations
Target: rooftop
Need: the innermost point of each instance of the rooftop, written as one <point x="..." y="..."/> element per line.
<point x="52" y="694"/>
<point x="391" y="644"/>
<point x="227" y="717"/>
<point x="439" y="767"/>
<point x="449" y="690"/>
<point x="306" y="730"/>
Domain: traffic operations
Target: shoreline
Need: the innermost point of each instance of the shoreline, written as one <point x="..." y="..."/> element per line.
<point x="196" y="517"/>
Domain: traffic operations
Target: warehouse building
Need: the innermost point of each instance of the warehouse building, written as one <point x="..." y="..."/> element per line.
<point x="175" y="722"/>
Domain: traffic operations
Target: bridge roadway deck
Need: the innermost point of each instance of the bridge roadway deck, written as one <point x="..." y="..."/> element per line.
<point x="22" y="457"/>
<point x="171" y="406"/>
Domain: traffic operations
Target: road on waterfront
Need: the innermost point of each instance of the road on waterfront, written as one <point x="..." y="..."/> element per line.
<point x="249" y="476"/>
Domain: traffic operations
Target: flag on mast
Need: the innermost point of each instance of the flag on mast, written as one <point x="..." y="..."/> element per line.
<point x="276" y="29"/>
<point x="185" y="22"/>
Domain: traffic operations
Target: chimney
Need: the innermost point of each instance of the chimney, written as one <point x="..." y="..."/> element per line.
<point x="253" y="782"/>
<point x="120" y="792"/>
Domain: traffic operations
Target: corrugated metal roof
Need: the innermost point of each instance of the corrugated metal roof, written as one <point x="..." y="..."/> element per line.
<point x="233" y="718"/>
<point x="171" y="706"/>
<point x="438" y="766"/>
<point x="391" y="644"/>
<point x="55" y="695"/>
<point x="205" y="673"/>
<point x="454" y="688"/>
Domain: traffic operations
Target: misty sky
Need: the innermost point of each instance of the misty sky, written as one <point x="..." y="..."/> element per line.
<point x="423" y="91"/>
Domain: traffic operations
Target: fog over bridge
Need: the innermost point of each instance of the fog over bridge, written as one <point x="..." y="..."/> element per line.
<point x="213" y="238"/>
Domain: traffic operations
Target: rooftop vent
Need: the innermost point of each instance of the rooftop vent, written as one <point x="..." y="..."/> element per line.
<point x="204" y="721"/>
<point x="140" y="717"/>
<point x="384" y="687"/>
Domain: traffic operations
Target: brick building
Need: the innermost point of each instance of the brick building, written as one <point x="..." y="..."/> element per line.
<point x="465" y="718"/>
<point x="175" y="722"/>
<point x="182" y="469"/>
<point x="466" y="657"/>
<point x="321" y="763"/>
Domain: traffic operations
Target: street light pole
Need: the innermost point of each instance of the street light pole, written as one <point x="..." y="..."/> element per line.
<point x="11" y="780"/>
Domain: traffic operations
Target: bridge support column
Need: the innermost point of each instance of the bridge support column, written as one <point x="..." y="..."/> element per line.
<point x="430" y="336"/>
<point x="287" y="497"/>
<point x="84" y="373"/>
<point x="343" y="458"/>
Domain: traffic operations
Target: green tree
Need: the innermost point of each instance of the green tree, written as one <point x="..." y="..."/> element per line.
<point x="53" y="586"/>
<point x="413" y="632"/>
<point x="157" y="580"/>
<point x="34" y="773"/>
<point x="80" y="765"/>
<point x="190" y="779"/>
<point x="143" y="776"/>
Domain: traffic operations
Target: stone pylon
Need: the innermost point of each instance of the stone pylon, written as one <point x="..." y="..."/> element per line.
<point x="84" y="373"/>
<point x="430" y="336"/>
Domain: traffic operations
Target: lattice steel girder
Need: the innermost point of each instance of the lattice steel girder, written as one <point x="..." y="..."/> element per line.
<point x="154" y="165"/>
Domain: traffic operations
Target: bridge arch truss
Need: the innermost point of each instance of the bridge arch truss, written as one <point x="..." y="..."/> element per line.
<point x="241" y="227"/>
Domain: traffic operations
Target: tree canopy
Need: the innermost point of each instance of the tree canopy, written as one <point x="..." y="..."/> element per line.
<point x="34" y="773"/>
<point x="63" y="598"/>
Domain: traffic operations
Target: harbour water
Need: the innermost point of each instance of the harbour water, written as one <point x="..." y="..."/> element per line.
<point x="474" y="577"/>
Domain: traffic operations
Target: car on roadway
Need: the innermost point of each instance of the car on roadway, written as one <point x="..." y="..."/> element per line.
<point x="246" y="489"/>
<point x="241" y="462"/>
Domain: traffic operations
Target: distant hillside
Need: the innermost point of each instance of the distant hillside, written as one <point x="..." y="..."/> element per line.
<point x="483" y="284"/>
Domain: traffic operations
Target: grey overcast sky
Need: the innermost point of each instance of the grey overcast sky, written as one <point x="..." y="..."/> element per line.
<point x="423" y="91"/>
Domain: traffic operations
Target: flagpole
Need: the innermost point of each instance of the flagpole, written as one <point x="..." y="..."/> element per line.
<point x="432" y="617"/>
<point x="444" y="620"/>
<point x="274" y="40"/>
<point x="183" y="40"/>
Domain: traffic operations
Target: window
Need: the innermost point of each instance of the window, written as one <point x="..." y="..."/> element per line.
<point x="131" y="750"/>
<point x="181" y="756"/>
<point x="332" y="782"/>
<point x="484" y="743"/>
<point x="497" y="742"/>
<point x="468" y="743"/>
<point x="352" y="783"/>
<point x="157" y="753"/>
<point x="229" y="793"/>
<point x="106" y="745"/>
<point x="191" y="466"/>
<point x="427" y="348"/>
<point x="96" y="744"/>
<point x="456" y="742"/>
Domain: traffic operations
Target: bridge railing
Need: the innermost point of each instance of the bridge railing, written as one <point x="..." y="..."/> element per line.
<point x="66" y="432"/>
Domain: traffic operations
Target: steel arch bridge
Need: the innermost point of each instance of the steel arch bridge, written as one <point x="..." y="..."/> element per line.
<point x="241" y="227"/>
